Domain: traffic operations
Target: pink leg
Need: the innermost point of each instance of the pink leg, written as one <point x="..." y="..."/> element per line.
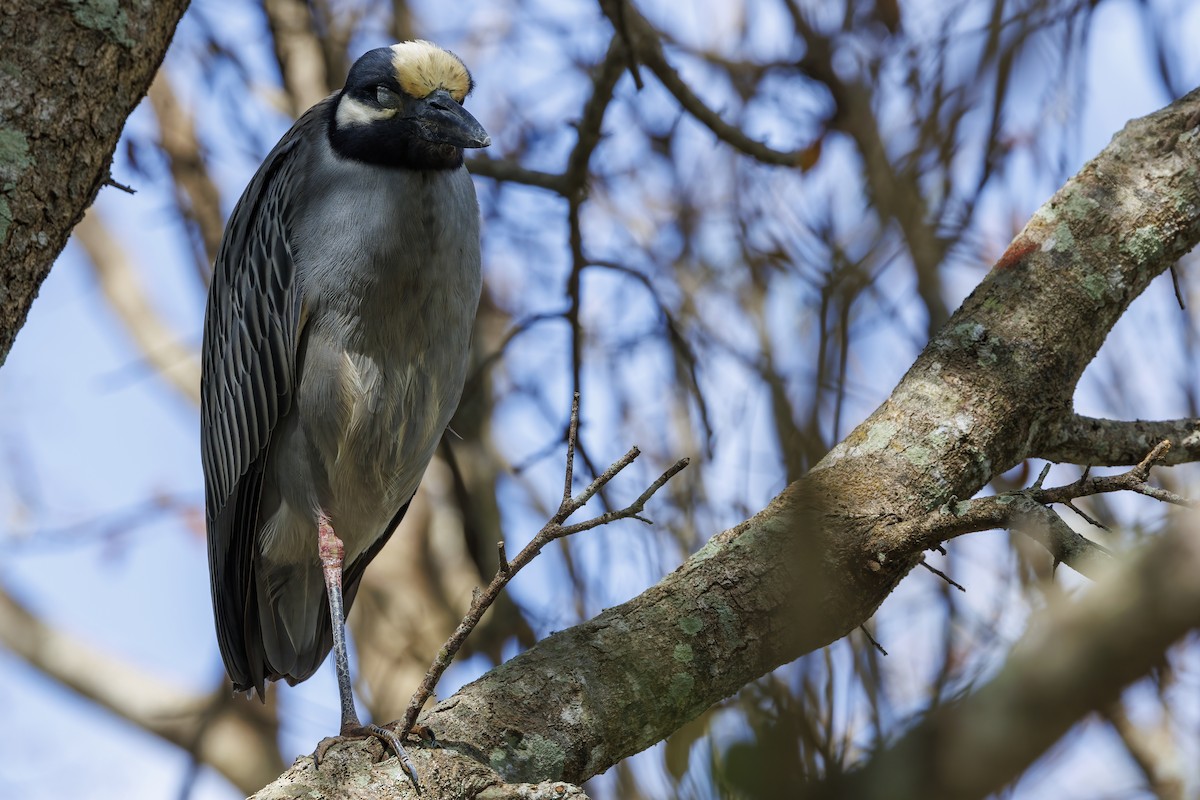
<point x="333" y="555"/>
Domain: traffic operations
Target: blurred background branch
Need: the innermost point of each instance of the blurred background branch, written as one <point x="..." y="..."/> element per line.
<point x="236" y="738"/>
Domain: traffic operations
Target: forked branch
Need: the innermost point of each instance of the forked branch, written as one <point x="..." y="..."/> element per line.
<point x="555" y="528"/>
<point x="1028" y="512"/>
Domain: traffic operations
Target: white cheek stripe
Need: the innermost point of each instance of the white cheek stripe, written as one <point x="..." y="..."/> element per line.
<point x="351" y="112"/>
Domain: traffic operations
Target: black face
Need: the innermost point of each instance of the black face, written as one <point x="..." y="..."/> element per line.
<point x="420" y="133"/>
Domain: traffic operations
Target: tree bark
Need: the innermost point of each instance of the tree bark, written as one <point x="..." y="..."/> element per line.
<point x="992" y="388"/>
<point x="70" y="74"/>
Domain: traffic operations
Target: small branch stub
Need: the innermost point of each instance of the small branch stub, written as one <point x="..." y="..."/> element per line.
<point x="503" y="556"/>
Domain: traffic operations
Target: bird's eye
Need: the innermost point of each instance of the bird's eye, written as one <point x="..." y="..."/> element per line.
<point x="386" y="97"/>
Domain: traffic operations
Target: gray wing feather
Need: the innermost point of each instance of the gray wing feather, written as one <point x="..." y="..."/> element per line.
<point x="248" y="377"/>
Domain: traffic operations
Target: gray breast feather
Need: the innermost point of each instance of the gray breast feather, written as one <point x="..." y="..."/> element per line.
<point x="385" y="348"/>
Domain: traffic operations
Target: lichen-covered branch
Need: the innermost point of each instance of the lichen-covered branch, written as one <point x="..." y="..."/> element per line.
<point x="1027" y="512"/>
<point x="1076" y="439"/>
<point x="57" y="136"/>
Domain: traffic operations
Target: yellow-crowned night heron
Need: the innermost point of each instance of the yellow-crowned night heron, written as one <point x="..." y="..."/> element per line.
<point x="335" y="351"/>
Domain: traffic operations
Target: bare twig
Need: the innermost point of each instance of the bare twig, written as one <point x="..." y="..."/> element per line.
<point x="1176" y="287"/>
<point x="110" y="181"/>
<point x="622" y="28"/>
<point x="1027" y="512"/>
<point x="1132" y="480"/>
<point x="552" y="530"/>
<point x="1041" y="478"/>
<point x="686" y="354"/>
<point x="1086" y="517"/>
<point x="896" y="192"/>
<point x="871" y="639"/>
<point x="572" y="434"/>
<point x="604" y="83"/>
<point x="942" y="575"/>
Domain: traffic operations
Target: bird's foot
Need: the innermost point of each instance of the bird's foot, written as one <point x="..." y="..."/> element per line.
<point x="390" y="739"/>
<point x="424" y="732"/>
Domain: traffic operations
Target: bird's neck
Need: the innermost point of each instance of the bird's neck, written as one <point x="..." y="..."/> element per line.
<point x="372" y="144"/>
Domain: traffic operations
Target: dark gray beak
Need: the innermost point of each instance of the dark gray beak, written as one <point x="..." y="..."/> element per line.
<point x="441" y="119"/>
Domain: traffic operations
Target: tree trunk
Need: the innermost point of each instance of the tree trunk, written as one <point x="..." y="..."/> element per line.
<point x="70" y="74"/>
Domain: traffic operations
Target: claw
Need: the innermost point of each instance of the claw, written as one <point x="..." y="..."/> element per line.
<point x="426" y="733"/>
<point x="390" y="741"/>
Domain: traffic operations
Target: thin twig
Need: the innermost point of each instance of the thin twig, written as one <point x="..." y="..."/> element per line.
<point x="646" y="47"/>
<point x="572" y="433"/>
<point x="1132" y="480"/>
<point x="1028" y="512"/>
<point x="1178" y="290"/>
<point x="871" y="639"/>
<point x="622" y="26"/>
<point x="1041" y="478"/>
<point x="1086" y="517"/>
<point x="942" y="575"/>
<point x="634" y="509"/>
<point x="501" y="169"/>
<point x="117" y="185"/>
<point x="590" y="125"/>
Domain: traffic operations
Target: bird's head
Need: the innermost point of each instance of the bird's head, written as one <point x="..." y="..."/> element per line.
<point x="402" y="107"/>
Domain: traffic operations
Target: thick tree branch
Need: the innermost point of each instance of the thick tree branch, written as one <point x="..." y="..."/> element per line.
<point x="1076" y="439"/>
<point x="57" y="136"/>
<point x="357" y="773"/>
